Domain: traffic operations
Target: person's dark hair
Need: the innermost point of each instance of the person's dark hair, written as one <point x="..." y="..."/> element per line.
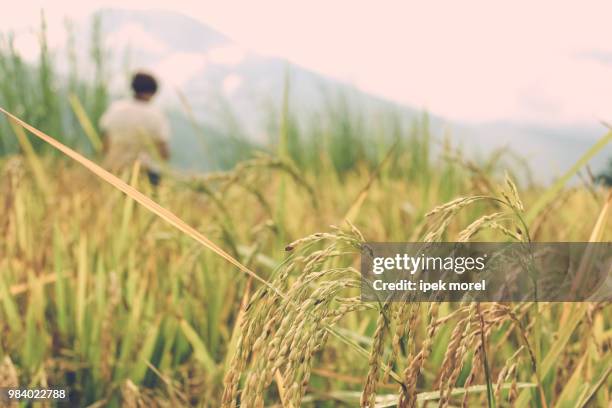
<point x="143" y="83"/>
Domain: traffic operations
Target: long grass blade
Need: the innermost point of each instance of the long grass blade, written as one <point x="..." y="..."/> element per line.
<point x="39" y="173"/>
<point x="199" y="348"/>
<point x="550" y="194"/>
<point x="85" y="122"/>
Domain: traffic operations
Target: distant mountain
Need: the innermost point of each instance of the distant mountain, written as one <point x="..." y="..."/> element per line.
<point x="549" y="150"/>
<point x="223" y="82"/>
<point x="212" y="71"/>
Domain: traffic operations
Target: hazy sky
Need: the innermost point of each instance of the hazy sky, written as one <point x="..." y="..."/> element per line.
<point x="472" y="60"/>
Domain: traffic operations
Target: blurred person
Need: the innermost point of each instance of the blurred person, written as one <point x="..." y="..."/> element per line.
<point x="135" y="129"/>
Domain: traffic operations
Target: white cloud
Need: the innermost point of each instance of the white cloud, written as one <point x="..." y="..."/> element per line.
<point x="28" y="45"/>
<point x="135" y="36"/>
<point x="469" y="60"/>
<point x="227" y="55"/>
<point x="231" y="83"/>
<point x="180" y="67"/>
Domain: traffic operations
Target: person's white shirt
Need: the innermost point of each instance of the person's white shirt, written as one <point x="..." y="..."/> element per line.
<point x="134" y="128"/>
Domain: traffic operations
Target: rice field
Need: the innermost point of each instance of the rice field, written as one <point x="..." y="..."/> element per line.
<point x="241" y="287"/>
<point x="108" y="299"/>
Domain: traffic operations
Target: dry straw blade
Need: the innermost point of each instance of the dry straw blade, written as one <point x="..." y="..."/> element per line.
<point x="136" y="195"/>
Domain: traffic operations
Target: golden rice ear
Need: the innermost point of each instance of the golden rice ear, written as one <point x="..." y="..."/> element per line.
<point x="513" y="198"/>
<point x="130" y="395"/>
<point x="368" y="396"/>
<point x="8" y="374"/>
<point x="482" y="222"/>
